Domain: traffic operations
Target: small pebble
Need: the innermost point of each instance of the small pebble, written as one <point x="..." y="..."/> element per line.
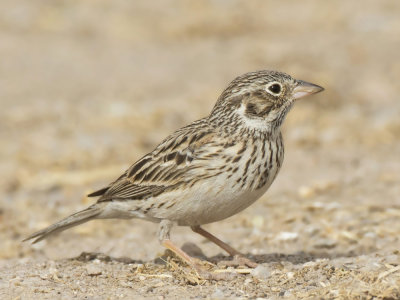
<point x="261" y="272"/>
<point x="290" y="275"/>
<point x="218" y="294"/>
<point x="310" y="264"/>
<point x="93" y="269"/>
<point x="159" y="284"/>
<point x="287" y="236"/>
<point x="287" y="294"/>
<point x="306" y="192"/>
<point x="325" y="244"/>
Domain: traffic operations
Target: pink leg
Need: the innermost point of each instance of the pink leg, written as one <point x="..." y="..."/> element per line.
<point x="238" y="257"/>
<point x="179" y="252"/>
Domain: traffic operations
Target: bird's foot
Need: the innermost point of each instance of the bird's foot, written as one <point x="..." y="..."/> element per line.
<point x="206" y="270"/>
<point x="199" y="270"/>
<point x="237" y="261"/>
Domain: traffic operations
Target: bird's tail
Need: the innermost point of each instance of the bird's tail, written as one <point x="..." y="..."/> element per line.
<point x="80" y="217"/>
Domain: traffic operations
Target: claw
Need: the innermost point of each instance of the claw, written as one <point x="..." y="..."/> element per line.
<point x="238" y="260"/>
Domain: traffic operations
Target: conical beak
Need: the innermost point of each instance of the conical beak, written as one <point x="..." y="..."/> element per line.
<point x="304" y="89"/>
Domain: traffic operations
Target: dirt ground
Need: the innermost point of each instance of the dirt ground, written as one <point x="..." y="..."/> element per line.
<point x="88" y="87"/>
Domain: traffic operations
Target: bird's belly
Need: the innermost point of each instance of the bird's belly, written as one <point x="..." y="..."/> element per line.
<point x="217" y="208"/>
<point x="210" y="201"/>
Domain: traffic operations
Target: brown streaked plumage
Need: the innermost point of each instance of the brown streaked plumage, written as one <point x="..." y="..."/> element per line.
<point x="208" y="170"/>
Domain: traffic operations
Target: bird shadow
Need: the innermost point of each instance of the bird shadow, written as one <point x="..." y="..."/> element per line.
<point x="90" y="256"/>
<point x="300" y="257"/>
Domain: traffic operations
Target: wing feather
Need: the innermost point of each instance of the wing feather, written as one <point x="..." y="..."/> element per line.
<point x="169" y="165"/>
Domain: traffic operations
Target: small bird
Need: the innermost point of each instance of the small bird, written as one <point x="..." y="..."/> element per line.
<point x="208" y="170"/>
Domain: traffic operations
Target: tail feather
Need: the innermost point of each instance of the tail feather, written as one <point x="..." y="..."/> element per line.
<point x="73" y="220"/>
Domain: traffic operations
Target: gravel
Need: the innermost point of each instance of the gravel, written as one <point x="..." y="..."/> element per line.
<point x="88" y="88"/>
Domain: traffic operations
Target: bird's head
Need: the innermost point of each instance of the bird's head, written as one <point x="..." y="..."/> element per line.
<point x="260" y="100"/>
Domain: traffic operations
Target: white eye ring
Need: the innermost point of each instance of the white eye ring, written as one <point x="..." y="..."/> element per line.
<point x="274" y="88"/>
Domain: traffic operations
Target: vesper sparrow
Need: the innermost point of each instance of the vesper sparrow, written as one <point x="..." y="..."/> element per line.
<point x="208" y="170"/>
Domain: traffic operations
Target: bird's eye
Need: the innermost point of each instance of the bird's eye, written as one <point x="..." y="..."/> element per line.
<point x="275" y="88"/>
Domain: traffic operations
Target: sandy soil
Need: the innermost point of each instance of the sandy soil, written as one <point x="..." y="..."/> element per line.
<point x="87" y="87"/>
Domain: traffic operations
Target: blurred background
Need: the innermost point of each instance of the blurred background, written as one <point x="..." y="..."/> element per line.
<point x="88" y="87"/>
